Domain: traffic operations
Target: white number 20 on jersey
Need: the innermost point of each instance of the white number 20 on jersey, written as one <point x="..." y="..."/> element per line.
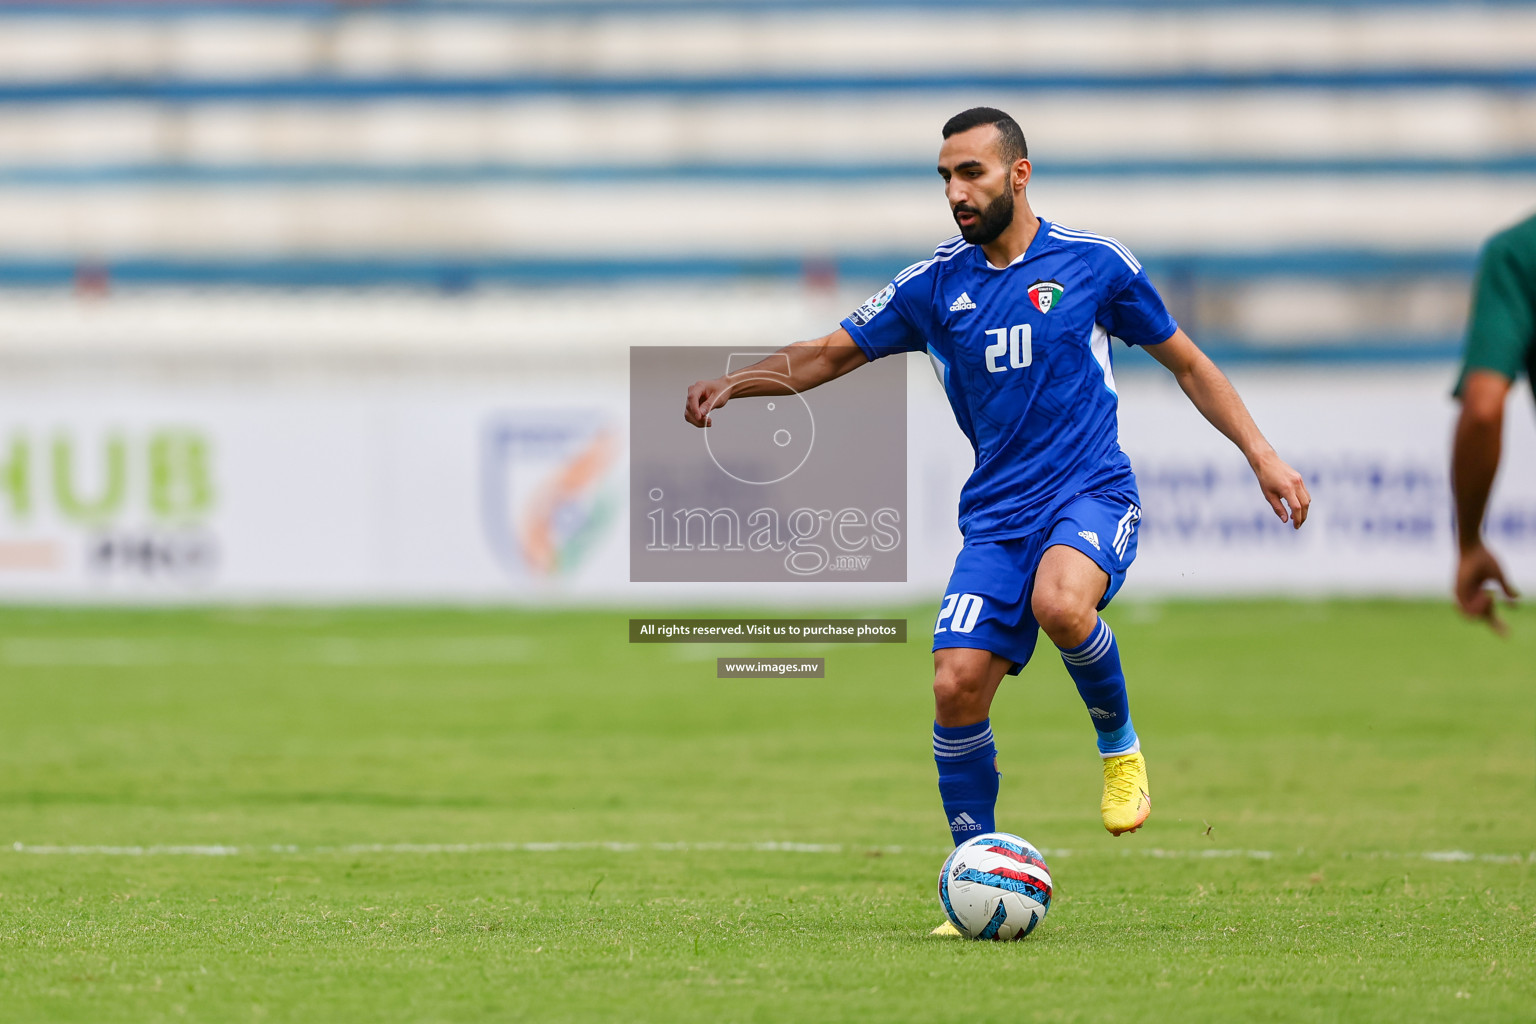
<point x="961" y="611"/>
<point x="1015" y="342"/>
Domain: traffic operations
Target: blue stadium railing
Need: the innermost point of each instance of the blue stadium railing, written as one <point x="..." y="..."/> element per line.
<point x="248" y="174"/>
<point x="542" y="269"/>
<point x="1175" y="273"/>
<point x="358" y="88"/>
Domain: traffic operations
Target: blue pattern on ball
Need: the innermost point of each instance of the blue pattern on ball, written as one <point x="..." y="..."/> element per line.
<point x="998" y="917"/>
<point x="1029" y="889"/>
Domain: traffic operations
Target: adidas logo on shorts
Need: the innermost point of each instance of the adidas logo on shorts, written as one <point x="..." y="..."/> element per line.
<point x="1091" y="538"/>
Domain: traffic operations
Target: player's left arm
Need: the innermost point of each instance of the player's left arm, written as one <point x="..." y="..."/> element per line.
<point x="1219" y="402"/>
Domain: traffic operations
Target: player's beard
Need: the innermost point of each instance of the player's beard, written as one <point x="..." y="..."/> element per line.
<point x="990" y="222"/>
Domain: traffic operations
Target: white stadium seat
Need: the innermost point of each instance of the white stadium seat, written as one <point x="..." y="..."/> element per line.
<point x="1264" y="146"/>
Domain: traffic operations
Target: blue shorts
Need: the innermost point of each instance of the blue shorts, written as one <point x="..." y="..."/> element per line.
<point x="987" y="603"/>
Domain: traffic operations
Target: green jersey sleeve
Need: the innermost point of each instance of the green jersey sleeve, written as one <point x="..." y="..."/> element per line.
<point x="1501" y="334"/>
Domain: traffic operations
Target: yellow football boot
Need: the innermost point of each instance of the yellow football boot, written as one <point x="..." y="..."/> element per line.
<point x="947" y="930"/>
<point x="1126" y="801"/>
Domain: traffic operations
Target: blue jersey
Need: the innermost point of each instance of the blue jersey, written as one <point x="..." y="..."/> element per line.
<point x="1023" y="354"/>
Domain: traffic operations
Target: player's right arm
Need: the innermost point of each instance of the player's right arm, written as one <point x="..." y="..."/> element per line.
<point x="1500" y="333"/>
<point x="1474" y="463"/>
<point x="884" y="325"/>
<point x="790" y="370"/>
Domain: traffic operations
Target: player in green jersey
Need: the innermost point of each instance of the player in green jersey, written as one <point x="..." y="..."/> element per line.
<point x="1501" y="341"/>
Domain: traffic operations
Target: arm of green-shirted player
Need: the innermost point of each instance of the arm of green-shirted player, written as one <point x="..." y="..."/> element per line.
<point x="1218" y="401"/>
<point x="790" y="370"/>
<point x="1500" y="333"/>
<point x="1474" y="464"/>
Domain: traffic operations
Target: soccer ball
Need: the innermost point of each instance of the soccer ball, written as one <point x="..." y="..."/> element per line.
<point x="995" y="886"/>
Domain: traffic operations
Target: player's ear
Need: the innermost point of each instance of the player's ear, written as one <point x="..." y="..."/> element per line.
<point x="1021" y="169"/>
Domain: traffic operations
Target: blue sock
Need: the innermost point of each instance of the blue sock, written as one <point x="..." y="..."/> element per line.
<point x="1095" y="667"/>
<point x="967" y="760"/>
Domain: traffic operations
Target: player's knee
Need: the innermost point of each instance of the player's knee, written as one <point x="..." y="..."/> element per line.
<point x="1066" y="619"/>
<point x="957" y="693"/>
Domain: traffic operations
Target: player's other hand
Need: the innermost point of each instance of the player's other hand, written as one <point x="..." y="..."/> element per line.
<point x="1283" y="488"/>
<point x="704" y="397"/>
<point x="1476" y="569"/>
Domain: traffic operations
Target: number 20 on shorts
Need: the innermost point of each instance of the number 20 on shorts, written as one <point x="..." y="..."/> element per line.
<point x="962" y="611"/>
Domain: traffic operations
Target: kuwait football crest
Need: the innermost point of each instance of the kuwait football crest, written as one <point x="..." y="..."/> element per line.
<point x="1045" y="294"/>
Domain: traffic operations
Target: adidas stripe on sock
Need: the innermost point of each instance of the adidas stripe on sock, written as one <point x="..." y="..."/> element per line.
<point x="966" y="757"/>
<point x="1094" y="666"/>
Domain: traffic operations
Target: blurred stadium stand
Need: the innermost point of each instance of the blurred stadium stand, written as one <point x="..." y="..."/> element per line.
<point x="1304" y="180"/>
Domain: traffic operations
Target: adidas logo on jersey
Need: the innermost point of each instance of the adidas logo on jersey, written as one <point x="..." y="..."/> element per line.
<point x="961" y="304"/>
<point x="1091" y="538"/>
<point x="963" y="822"/>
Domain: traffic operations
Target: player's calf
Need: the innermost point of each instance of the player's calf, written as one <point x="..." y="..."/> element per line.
<point x="1095" y="667"/>
<point x="1065" y="603"/>
<point x="964" y="682"/>
<point x="966" y="757"/>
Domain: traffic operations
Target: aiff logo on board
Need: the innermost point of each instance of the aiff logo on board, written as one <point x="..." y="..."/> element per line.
<point x="548" y="489"/>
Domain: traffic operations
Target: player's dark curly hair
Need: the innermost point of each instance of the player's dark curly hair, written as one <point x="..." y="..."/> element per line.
<point x="1010" y="141"/>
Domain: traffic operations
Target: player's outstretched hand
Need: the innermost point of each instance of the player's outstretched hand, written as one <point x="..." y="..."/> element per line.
<point x="704" y="397"/>
<point x="1476" y="569"/>
<point x="1283" y="489"/>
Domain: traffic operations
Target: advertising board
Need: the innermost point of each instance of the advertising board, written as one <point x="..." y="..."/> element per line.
<point x="490" y="490"/>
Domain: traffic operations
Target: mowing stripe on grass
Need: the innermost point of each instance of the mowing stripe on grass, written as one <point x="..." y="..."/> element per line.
<point x="220" y="850"/>
<point x="131" y="652"/>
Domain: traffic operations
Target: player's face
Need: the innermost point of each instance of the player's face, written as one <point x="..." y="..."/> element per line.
<point x="977" y="183"/>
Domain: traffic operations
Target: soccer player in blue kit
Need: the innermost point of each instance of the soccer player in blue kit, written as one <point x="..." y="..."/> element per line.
<point x="1016" y="315"/>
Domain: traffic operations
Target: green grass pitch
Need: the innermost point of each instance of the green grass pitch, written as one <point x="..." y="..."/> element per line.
<point x="1344" y="826"/>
